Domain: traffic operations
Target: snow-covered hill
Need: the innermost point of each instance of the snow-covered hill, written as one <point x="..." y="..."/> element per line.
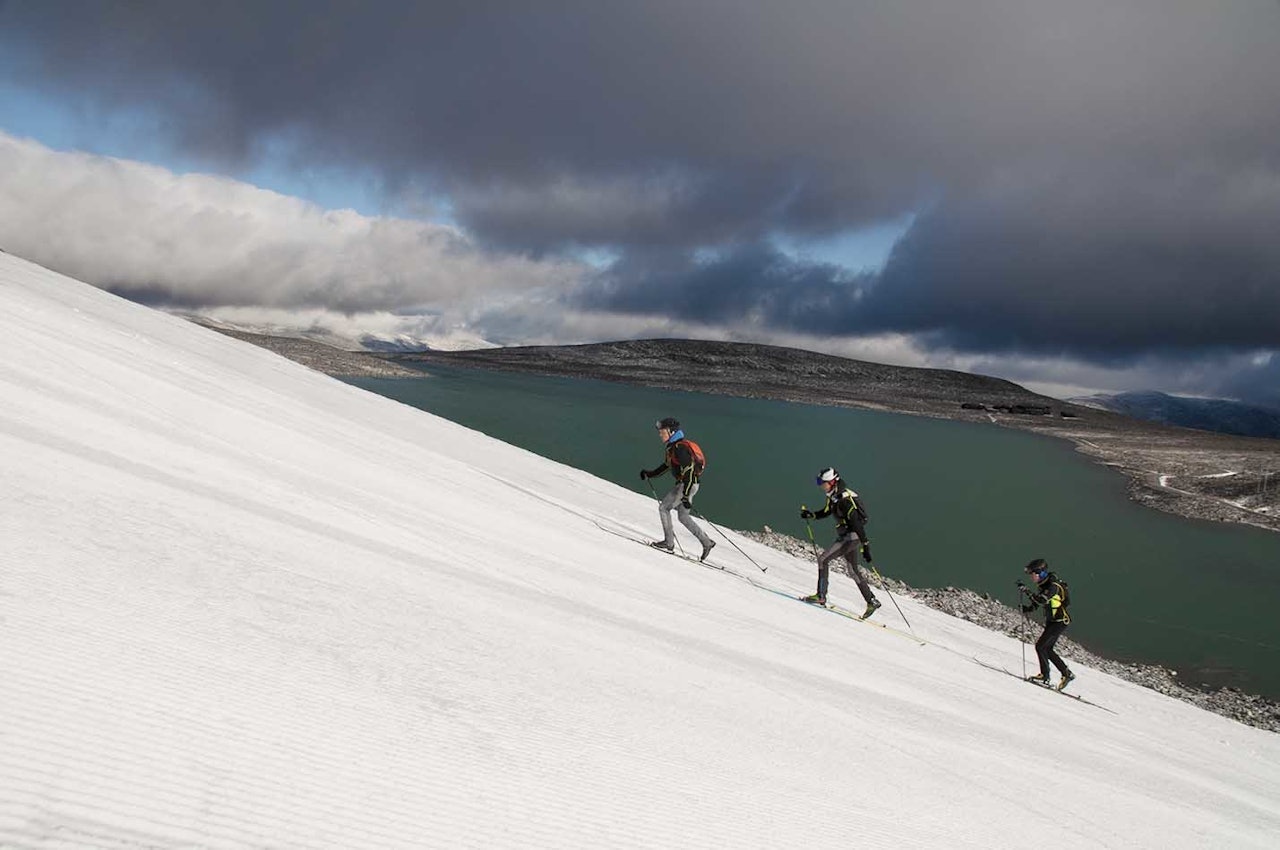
<point x="245" y="605"/>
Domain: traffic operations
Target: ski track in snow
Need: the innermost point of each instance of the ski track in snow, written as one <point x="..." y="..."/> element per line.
<point x="245" y="605"/>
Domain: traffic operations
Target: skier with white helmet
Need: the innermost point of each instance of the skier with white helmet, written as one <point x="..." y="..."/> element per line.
<point x="851" y="539"/>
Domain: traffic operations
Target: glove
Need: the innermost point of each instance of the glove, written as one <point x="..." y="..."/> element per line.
<point x="866" y="552"/>
<point x="686" y="504"/>
<point x="644" y="475"/>
<point x="805" y="513"/>
<point x="1023" y="586"/>
<point x="1027" y="609"/>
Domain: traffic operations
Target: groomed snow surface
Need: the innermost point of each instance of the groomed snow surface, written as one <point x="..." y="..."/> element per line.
<point x="245" y="605"/>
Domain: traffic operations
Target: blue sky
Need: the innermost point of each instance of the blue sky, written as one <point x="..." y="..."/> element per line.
<point x="132" y="134"/>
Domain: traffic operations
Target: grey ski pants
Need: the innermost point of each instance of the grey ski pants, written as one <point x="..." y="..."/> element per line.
<point x="671" y="502"/>
<point x="848" y="548"/>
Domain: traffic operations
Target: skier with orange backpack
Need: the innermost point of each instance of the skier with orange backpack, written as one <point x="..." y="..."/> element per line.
<point x="686" y="461"/>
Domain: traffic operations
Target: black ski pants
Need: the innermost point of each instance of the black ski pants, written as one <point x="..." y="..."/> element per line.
<point x="847" y="547"/>
<point x="1044" y="648"/>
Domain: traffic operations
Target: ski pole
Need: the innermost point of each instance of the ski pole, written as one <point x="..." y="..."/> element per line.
<point x="885" y="587"/>
<point x="1025" y="622"/>
<point x="731" y="543"/>
<point x="809" y="528"/>
<point x="812" y="542"/>
<point x="651" y="489"/>
<point x="655" y="496"/>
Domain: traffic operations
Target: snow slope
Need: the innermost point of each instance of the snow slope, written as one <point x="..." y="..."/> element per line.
<point x="245" y="605"/>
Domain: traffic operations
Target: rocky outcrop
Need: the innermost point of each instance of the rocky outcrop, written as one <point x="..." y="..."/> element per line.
<point x="321" y="357"/>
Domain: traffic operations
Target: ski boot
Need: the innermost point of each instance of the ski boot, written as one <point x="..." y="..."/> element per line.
<point x="815" y="599"/>
<point x="1067" y="678"/>
<point x="706" y="549"/>
<point x="872" y="607"/>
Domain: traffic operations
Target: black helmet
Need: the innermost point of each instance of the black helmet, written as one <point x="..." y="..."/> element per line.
<point x="670" y="423"/>
<point x="1037" y="569"/>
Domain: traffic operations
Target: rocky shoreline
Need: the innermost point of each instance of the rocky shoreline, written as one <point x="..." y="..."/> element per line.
<point x="982" y="610"/>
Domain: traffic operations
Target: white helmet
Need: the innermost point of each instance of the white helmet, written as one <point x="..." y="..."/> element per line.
<point x="826" y="476"/>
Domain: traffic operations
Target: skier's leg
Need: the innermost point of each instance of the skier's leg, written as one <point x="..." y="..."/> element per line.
<point x="1044" y="645"/>
<point x="1051" y="634"/>
<point x="828" y="555"/>
<point x="687" y="521"/>
<point x="859" y="575"/>
<point x="665" y="507"/>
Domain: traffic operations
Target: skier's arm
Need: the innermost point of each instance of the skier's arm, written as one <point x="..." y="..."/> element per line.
<point x="1034" y="600"/>
<point x="654" y="473"/>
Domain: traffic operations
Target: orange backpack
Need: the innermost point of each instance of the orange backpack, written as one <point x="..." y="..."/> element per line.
<point x="699" y="459"/>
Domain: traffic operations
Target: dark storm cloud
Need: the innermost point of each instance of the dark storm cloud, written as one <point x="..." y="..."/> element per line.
<point x="810" y="116"/>
<point x="1093" y="177"/>
<point x="1258" y="382"/>
<point x="1184" y="260"/>
<point x="1189" y="260"/>
<point x="752" y="282"/>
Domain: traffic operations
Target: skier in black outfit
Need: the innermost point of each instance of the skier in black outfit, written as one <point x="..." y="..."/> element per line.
<point x="685" y="460"/>
<point x="1051" y="593"/>
<point x="851" y="538"/>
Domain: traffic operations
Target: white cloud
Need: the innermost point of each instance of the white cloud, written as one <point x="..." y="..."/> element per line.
<point x="258" y="259"/>
<point x="202" y="240"/>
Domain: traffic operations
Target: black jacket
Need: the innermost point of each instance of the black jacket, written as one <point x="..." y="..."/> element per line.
<point x="1049" y="595"/>
<point x="844" y="504"/>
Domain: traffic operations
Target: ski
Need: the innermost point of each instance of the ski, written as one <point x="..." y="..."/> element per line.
<point x="846" y="613"/>
<point x="834" y="609"/>
<point x="690" y="558"/>
<point x="1075" y="697"/>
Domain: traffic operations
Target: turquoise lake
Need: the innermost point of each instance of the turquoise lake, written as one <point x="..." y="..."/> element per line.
<point x="951" y="504"/>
